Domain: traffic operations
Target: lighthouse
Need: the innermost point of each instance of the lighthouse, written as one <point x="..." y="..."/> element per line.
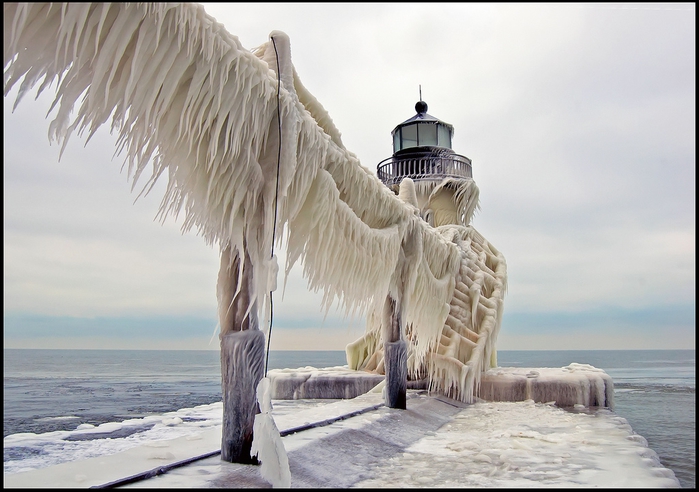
<point x="440" y="181"/>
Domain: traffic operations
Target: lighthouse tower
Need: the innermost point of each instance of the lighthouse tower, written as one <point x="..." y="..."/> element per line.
<point x="439" y="180"/>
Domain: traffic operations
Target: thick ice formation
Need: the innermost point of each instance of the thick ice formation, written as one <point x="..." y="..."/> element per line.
<point x="570" y="386"/>
<point x="182" y="93"/>
<point x="267" y="443"/>
<point x="466" y="342"/>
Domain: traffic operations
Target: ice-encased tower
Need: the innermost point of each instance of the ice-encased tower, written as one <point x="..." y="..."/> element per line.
<point x="422" y="151"/>
<point x="425" y="172"/>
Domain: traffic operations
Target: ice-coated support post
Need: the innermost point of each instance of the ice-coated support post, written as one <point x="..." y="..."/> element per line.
<point x="242" y="356"/>
<point x="395" y="356"/>
<point x="242" y="342"/>
<point x="242" y="368"/>
<point x="396" y="364"/>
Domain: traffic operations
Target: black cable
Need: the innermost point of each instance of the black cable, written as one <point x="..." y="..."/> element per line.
<point x="276" y="197"/>
<point x="160" y="470"/>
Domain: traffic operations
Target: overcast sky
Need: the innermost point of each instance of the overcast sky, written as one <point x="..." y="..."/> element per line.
<point x="579" y="119"/>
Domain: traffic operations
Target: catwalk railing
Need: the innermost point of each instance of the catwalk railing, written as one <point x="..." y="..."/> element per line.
<point x="423" y="165"/>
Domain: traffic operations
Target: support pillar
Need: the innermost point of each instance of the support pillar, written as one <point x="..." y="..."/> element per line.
<point x="395" y="356"/>
<point x="242" y="368"/>
<point x="242" y="357"/>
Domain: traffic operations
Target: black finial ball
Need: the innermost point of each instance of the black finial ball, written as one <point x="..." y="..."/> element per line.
<point x="421" y="107"/>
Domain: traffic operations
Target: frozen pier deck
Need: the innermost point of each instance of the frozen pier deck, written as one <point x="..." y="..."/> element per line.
<point x="434" y="442"/>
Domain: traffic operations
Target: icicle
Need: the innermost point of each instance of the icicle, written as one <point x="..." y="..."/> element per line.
<point x="273" y="272"/>
<point x="267" y="443"/>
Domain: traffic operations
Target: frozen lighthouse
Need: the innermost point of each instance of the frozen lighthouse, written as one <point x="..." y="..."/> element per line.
<point x="437" y="183"/>
<point x="438" y="325"/>
<point x="252" y="160"/>
<point x="423" y="153"/>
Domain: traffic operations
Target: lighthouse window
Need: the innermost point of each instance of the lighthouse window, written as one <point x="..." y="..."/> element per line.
<point x="427" y="134"/>
<point x="396" y="141"/>
<point x="409" y="136"/>
<point x="444" y="136"/>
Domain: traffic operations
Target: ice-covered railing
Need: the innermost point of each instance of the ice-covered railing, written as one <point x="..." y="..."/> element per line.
<point x="188" y="102"/>
<point x="423" y="165"/>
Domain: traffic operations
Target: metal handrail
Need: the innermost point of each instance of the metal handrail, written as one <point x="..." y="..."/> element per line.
<point x="423" y="165"/>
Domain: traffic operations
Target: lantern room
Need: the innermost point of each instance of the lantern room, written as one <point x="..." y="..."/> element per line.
<point x="422" y="130"/>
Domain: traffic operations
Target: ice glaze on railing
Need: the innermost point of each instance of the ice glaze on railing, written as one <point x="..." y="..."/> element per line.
<point x="425" y="165"/>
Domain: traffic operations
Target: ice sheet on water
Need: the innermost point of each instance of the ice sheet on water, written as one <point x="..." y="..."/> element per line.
<point x="29" y="451"/>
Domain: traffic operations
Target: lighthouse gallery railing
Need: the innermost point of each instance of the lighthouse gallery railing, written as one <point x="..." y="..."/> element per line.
<point x="423" y="165"/>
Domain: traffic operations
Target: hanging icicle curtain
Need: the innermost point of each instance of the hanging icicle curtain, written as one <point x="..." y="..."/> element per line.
<point x="189" y="103"/>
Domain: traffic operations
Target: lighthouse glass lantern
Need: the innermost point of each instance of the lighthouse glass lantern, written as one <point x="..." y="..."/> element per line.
<point x="422" y="130"/>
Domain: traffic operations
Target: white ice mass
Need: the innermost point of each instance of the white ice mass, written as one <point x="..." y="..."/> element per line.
<point x="182" y="93"/>
<point x="267" y="443"/>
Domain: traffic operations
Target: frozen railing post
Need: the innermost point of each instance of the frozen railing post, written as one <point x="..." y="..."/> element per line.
<point x="242" y="342"/>
<point x="242" y="357"/>
<point x="395" y="357"/>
